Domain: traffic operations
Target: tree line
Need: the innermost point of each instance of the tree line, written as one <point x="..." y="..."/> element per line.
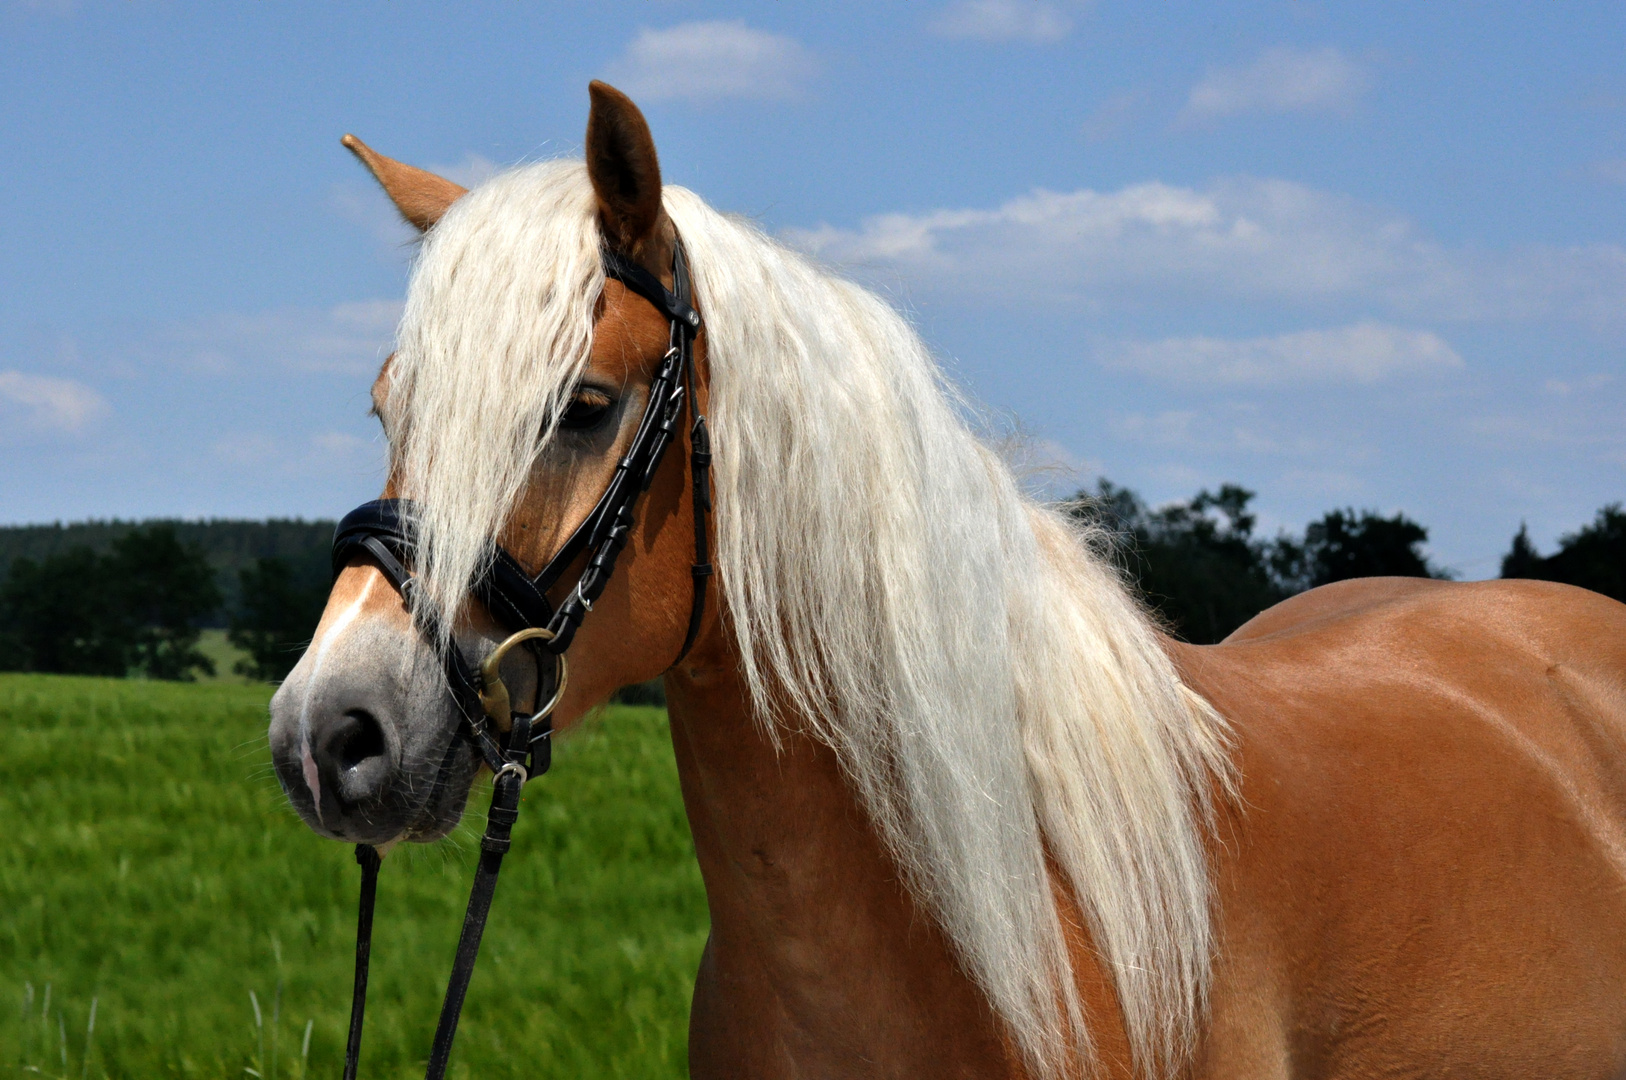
<point x="120" y="598"/>
<point x="1200" y="566"/>
<point x="231" y="545"/>
<point x="124" y="598"/>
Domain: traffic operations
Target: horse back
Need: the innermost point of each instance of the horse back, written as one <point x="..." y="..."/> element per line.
<point x="1425" y="870"/>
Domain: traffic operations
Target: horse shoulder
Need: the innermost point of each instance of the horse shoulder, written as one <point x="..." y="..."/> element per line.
<point x="1426" y="866"/>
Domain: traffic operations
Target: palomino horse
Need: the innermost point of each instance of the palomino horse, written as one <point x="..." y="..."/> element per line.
<point x="961" y="809"/>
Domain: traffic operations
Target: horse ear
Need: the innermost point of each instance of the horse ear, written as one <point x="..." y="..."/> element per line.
<point x="422" y="197"/>
<point x="622" y="165"/>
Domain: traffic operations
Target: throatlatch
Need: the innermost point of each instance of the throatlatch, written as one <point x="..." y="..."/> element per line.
<point x="383" y="531"/>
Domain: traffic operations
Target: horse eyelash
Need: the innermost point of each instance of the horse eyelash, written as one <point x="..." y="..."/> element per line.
<point x="591" y="398"/>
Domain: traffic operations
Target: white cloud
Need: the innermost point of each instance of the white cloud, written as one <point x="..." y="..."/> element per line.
<point x="341" y="442"/>
<point x="1364" y="353"/>
<point x="1002" y="20"/>
<point x="1612" y="171"/>
<point x="247" y="448"/>
<point x="1112" y="116"/>
<point x="47" y="404"/>
<point x="1280" y="80"/>
<point x="709" y="61"/>
<point x="472" y="171"/>
<point x="348" y="338"/>
<point x="1225" y="429"/>
<point x="1237" y="239"/>
<point x="1586" y="384"/>
<point x="1172" y="427"/>
<point x="290" y="455"/>
<point x="1327" y="485"/>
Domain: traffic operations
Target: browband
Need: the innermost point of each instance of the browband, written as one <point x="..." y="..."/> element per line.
<point x="647" y="285"/>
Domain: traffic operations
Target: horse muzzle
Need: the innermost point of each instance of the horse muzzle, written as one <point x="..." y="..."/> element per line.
<point x="369" y="752"/>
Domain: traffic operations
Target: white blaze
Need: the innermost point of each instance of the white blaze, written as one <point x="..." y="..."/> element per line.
<point x="313" y="778"/>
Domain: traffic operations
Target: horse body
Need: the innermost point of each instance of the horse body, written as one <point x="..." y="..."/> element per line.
<point x="1423" y="873"/>
<point x="1426" y="871"/>
<point x="960" y="809"/>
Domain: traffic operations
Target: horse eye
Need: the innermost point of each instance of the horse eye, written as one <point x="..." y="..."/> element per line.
<point x="586" y="410"/>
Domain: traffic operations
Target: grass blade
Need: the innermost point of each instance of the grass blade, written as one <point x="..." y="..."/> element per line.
<point x="90" y="1035"/>
<point x="276" y="1024"/>
<point x="259" y="1026"/>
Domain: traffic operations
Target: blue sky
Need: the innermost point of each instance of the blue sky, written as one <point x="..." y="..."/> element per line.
<point x="1369" y="255"/>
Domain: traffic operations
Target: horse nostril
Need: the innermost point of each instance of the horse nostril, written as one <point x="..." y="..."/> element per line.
<point x="364" y="740"/>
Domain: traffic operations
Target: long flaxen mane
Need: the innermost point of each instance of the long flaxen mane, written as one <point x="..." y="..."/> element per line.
<point x="991" y="689"/>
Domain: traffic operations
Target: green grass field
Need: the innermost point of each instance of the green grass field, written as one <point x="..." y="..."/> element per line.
<point x="150" y="864"/>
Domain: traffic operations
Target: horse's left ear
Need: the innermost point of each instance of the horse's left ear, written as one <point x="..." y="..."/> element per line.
<point x="422" y="197"/>
<point x="621" y="162"/>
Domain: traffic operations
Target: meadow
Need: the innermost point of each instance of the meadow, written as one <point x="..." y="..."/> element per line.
<point x="151" y="870"/>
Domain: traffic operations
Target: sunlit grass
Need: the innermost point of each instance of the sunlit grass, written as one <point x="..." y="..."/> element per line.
<point x="150" y="869"/>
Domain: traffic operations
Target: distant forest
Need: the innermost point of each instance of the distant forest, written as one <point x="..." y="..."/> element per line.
<point x="229" y="547"/>
<point x="130" y="598"/>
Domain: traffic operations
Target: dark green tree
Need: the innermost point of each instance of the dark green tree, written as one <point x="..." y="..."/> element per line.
<point x="1344" y="545"/>
<point x="1197" y="563"/>
<point x="1523" y="561"/>
<point x="1593" y="557"/>
<point x="231" y="545"/>
<point x="166" y="589"/>
<point x="277" y="617"/>
<point x="62" y="614"/>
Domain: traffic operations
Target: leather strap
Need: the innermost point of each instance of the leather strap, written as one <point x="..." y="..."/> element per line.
<point x="367" y="856"/>
<point x="505" y="791"/>
<point x="700" y="472"/>
<point x="674" y="305"/>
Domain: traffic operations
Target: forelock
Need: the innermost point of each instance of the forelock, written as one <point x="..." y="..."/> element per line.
<point x="498" y="325"/>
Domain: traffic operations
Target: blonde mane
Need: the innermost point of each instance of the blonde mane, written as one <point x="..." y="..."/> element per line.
<point x="993" y="692"/>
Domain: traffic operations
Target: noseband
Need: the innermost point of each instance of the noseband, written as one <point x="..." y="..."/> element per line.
<point x="517" y="745"/>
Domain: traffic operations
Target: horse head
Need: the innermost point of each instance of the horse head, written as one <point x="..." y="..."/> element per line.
<point x="364" y="732"/>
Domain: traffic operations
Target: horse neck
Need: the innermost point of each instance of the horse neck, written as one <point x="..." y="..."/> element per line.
<point x="819" y="961"/>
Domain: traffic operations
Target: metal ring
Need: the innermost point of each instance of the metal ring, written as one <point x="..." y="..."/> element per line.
<point x="558" y="692"/>
<point x="515" y="768"/>
<point x="494" y="699"/>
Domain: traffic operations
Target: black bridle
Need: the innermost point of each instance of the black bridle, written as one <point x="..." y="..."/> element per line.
<point x="383" y="530"/>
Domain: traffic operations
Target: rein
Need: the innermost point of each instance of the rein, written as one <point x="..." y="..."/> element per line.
<point x="517" y="745"/>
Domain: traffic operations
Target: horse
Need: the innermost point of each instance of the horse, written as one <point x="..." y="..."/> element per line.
<point x="961" y="805"/>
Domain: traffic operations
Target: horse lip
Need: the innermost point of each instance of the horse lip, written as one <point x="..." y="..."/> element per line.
<point x="442" y="807"/>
